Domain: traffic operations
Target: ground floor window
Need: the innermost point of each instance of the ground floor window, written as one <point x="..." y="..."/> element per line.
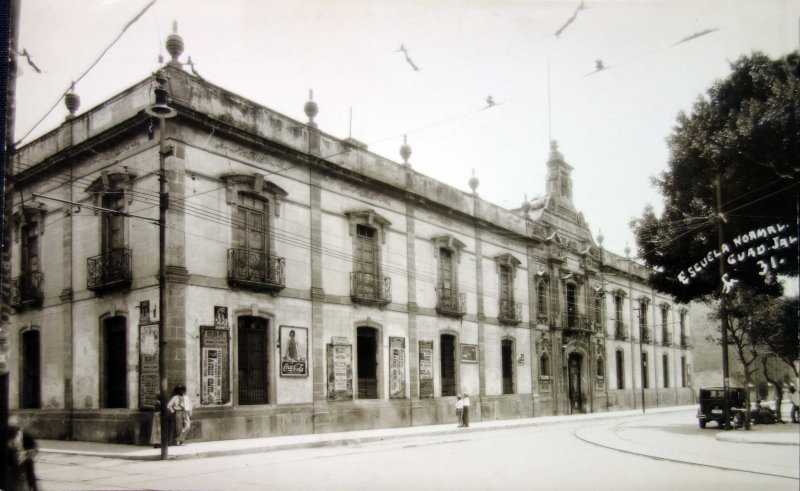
<point x="367" y="352"/>
<point x="620" y="369"/>
<point x="507" y="352"/>
<point x="645" y="375"/>
<point x="253" y="360"/>
<point x="447" y="357"/>
<point x="30" y="391"/>
<point x="665" y="364"/>
<point x="683" y="371"/>
<point x="114" y="374"/>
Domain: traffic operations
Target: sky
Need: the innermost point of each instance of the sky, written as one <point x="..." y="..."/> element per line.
<point x="611" y="125"/>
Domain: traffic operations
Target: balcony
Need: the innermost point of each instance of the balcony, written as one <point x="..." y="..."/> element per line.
<point x="645" y="333"/>
<point x="26" y="290"/>
<point x="109" y="271"/>
<point x="620" y="330"/>
<point x="256" y="270"/>
<point x="450" y="302"/>
<point x="510" y="312"/>
<point x="578" y="322"/>
<point x="370" y="289"/>
<point x="666" y="339"/>
<point x="684" y="342"/>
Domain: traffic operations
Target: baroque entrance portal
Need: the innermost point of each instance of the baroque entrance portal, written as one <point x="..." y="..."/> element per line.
<point x="575" y="394"/>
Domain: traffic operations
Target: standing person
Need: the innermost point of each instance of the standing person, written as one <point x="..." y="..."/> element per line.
<point x="155" y="429"/>
<point x="291" y="351"/>
<point x="465" y="413"/>
<point x="794" y="397"/>
<point x="460" y="410"/>
<point x="181" y="406"/>
<point x="21" y="451"/>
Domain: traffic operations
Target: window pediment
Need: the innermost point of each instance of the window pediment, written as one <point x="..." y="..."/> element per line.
<point x="111" y="182"/>
<point x="256" y="184"/>
<point x="28" y="214"/>
<point x="448" y="242"/>
<point x="507" y="260"/>
<point x="370" y="218"/>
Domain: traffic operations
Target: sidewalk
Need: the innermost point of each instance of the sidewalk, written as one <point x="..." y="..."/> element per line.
<point x="257" y="445"/>
<point x="778" y="434"/>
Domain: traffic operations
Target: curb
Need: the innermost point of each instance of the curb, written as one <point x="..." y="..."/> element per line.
<point x="760" y="439"/>
<point x="138" y="453"/>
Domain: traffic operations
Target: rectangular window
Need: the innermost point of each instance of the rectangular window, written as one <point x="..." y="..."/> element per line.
<point x="366" y="253"/>
<point x="683" y="371"/>
<point x="447" y="357"/>
<point x="620" y="358"/>
<point x="598" y="309"/>
<point x="446" y="271"/>
<point x="114" y="223"/>
<point x="506" y="284"/>
<point x="115" y="363"/>
<point x="645" y="375"/>
<point x="252" y="361"/>
<point x="30" y="390"/>
<point x="367" y="362"/>
<point x="665" y="366"/>
<point x="507" y="355"/>
<point x="541" y="298"/>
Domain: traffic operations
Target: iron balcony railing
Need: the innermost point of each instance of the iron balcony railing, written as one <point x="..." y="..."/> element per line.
<point x="256" y="270"/>
<point x="450" y="301"/>
<point x="666" y="339"/>
<point x="510" y="312"/>
<point x="370" y="288"/>
<point x="620" y="330"/>
<point x="26" y="290"/>
<point x="684" y="342"/>
<point x="645" y="333"/>
<point x="109" y="270"/>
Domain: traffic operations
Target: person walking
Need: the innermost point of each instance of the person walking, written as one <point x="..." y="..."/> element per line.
<point x="22" y="450"/>
<point x="794" y="397"/>
<point x="181" y="406"/>
<point x="460" y="410"/>
<point x="465" y="411"/>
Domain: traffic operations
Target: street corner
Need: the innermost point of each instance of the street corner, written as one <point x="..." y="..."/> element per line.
<point x="777" y="434"/>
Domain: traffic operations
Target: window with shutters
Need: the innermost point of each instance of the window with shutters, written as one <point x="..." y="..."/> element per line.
<point x="510" y="312"/>
<point x="112" y="268"/>
<point x="450" y="300"/>
<point x="27" y="288"/>
<point x="252" y="262"/>
<point x="367" y="283"/>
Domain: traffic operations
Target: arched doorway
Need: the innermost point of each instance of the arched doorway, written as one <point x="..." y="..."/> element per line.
<point x="574" y="375"/>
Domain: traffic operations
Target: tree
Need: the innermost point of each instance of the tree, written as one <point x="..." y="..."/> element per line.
<point x="746" y="133"/>
<point x="774" y="327"/>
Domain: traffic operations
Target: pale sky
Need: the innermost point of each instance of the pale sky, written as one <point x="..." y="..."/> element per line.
<point x="611" y="125"/>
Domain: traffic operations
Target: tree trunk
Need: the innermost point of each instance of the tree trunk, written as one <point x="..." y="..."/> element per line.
<point x="777" y="385"/>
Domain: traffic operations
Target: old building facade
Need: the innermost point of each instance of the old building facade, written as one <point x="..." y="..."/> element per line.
<point x="311" y="286"/>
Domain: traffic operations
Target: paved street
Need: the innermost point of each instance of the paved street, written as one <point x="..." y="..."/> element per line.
<point x="600" y="454"/>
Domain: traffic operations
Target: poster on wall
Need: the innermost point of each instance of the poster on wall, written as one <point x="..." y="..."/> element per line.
<point x="214" y="368"/>
<point x="148" y="365"/>
<point x="426" y="369"/>
<point x="397" y="360"/>
<point x="469" y="353"/>
<point x="340" y="372"/>
<point x="294" y="351"/>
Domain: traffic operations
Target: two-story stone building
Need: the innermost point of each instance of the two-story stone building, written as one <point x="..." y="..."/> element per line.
<point x="311" y="285"/>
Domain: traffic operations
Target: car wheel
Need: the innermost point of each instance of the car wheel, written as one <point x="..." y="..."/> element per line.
<point x="702" y="423"/>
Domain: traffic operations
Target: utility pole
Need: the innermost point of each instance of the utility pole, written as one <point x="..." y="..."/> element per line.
<point x="10" y="39"/>
<point x="723" y="314"/>
<point x="162" y="111"/>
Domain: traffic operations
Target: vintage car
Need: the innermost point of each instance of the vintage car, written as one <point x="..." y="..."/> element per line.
<point x="711" y="401"/>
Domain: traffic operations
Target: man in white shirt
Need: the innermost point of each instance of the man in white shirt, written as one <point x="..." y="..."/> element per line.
<point x="465" y="413"/>
<point x="181" y="406"/>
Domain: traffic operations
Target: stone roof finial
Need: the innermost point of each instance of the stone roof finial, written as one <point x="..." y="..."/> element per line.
<point x="474" y="182"/>
<point x="627" y="250"/>
<point x="526" y="205"/>
<point x="72" y="101"/>
<point x="405" y="150"/>
<point x="175" y="45"/>
<point x="311" y="108"/>
<point x="554" y="153"/>
<point x="600" y="237"/>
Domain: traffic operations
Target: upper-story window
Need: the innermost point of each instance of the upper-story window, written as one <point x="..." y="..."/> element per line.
<point x="252" y="263"/>
<point x="112" y="192"/>
<point x="26" y="289"/>
<point x="598" y="309"/>
<point x="510" y="312"/>
<point x="644" y="331"/>
<point x="541" y="300"/>
<point x="682" y="324"/>
<point x="449" y="299"/>
<point x="665" y="334"/>
<point x="620" y="331"/>
<point x="572" y="305"/>
<point x="367" y="283"/>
